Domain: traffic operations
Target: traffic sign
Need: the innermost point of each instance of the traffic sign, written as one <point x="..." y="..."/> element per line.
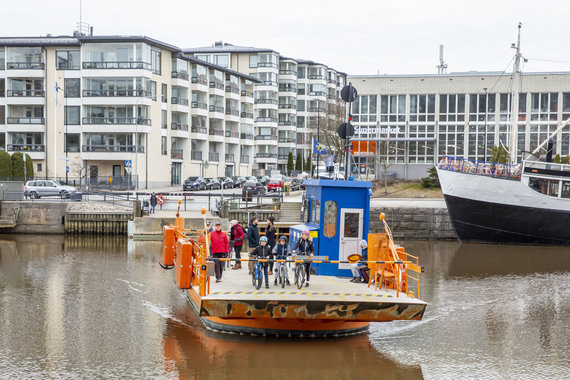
<point x="330" y="161"/>
<point x="67" y="169"/>
<point x="128" y="163"/>
<point x="345" y="130"/>
<point x="348" y="93"/>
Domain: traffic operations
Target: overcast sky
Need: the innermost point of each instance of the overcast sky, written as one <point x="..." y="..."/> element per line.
<point x="356" y="36"/>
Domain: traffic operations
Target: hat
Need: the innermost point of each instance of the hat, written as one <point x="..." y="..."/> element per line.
<point x="218" y="223"/>
<point x="208" y="222"/>
<point x="306" y="232"/>
<point x="363" y="243"/>
<point x="233" y="222"/>
<point x="284" y="238"/>
<point x="263" y="238"/>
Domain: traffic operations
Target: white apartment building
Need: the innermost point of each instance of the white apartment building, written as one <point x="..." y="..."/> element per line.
<point x="110" y="106"/>
<point x="414" y="120"/>
<point x="292" y="98"/>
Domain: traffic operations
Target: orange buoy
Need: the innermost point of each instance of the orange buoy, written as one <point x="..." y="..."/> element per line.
<point x="160" y="199"/>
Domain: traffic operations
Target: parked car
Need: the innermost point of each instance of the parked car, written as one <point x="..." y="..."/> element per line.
<point x="194" y="183"/>
<point x="264" y="180"/>
<point x="254" y="186"/>
<point x="44" y="187"/>
<point x="239" y="181"/>
<point x="275" y="184"/>
<point x="297" y="183"/>
<point x="213" y="184"/>
<point x="227" y="182"/>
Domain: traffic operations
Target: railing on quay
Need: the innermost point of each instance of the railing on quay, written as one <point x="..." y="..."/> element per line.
<point x="490" y="169"/>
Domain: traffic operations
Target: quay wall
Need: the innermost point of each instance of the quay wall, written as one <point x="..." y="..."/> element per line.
<point x="417" y="223"/>
<point x="36" y="217"/>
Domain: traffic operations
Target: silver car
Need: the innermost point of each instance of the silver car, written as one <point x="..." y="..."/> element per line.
<point x="45" y="187"/>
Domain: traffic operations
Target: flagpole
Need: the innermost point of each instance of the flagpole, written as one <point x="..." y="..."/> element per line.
<point x="318" y="132"/>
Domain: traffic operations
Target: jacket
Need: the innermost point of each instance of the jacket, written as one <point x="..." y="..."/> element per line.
<point x="262" y="252"/>
<point x="252" y="235"/>
<point x="237" y="235"/>
<point x="153" y="200"/>
<point x="281" y="251"/>
<point x="304" y="247"/>
<point x="219" y="241"/>
<point x="270" y="234"/>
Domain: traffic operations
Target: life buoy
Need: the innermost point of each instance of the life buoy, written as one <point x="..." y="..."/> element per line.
<point x="160" y="199"/>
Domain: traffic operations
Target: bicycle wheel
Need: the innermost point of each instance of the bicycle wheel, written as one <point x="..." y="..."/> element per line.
<point x="282" y="274"/>
<point x="259" y="279"/>
<point x="299" y="275"/>
<point x="254" y="275"/>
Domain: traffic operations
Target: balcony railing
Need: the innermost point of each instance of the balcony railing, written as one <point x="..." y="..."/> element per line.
<point x="197" y="129"/>
<point x="246" y="136"/>
<point x="266" y="101"/>
<point x="318" y="93"/>
<point x="232" y="134"/>
<point x="203" y="81"/>
<point x="247" y="93"/>
<point x="266" y="120"/>
<point x="268" y="83"/>
<point x="287" y="88"/>
<point x="287" y="72"/>
<point x="112" y="148"/>
<point x="26" y="93"/>
<point x="25" y="65"/>
<point x="266" y="155"/>
<point x="177" y="154"/>
<point x="25" y="120"/>
<point x="267" y="64"/>
<point x="117" y="65"/>
<point x="232" y="89"/>
<point x="117" y="93"/>
<point x="214" y="156"/>
<point x="287" y="122"/>
<point x="232" y="112"/>
<point x="216" y="132"/>
<point x="287" y="106"/>
<point x="201" y="105"/>
<point x="282" y="156"/>
<point x="287" y="139"/>
<point x="317" y="77"/>
<point x="179" y="75"/>
<point x="229" y="157"/>
<point x="26" y="148"/>
<point x="244" y="159"/>
<point x="217" y="85"/>
<point x="179" y="127"/>
<point x="331" y="81"/>
<point x="247" y="115"/>
<point x="116" y="120"/>
<point x="176" y="100"/>
<point x="266" y="137"/>
<point x="216" y="109"/>
<point x="196" y="155"/>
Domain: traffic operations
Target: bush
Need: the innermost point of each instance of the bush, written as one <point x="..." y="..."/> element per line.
<point x="29" y="167"/>
<point x="18" y="165"/>
<point x="5" y="165"/>
<point x="432" y="180"/>
<point x="299" y="163"/>
<point x="499" y="155"/>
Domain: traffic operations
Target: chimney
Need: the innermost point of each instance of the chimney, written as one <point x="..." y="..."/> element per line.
<point x="218" y="43"/>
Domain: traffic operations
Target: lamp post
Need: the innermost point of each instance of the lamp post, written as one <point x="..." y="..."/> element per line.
<point x="485" y="143"/>
<point x="137" y="141"/>
<point x="65" y="147"/>
<point x="318" y="131"/>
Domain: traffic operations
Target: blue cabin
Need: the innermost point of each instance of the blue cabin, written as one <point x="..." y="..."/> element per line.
<point x="337" y="214"/>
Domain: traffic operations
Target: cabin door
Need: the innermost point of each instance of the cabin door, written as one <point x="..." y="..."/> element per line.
<point x="350" y="234"/>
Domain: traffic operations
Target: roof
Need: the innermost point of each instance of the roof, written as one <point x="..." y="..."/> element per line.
<point x="213" y="66"/>
<point x="40" y="41"/>
<point x="459" y="74"/>
<point x="144" y="39"/>
<point x="222" y="47"/>
<point x="337" y="183"/>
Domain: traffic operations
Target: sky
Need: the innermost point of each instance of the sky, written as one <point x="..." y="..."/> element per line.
<point x="358" y="37"/>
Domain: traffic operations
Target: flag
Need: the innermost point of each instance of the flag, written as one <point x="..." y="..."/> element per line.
<point x="318" y="148"/>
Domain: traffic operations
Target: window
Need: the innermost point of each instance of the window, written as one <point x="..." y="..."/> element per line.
<point x="330" y="219"/>
<point x="164" y="122"/>
<point x="2" y="141"/>
<point x="72" y="87"/>
<point x="222" y="60"/>
<point x="39" y="168"/>
<point x="72" y="142"/>
<point x="153" y="90"/>
<point x="163" y="147"/>
<point x="2" y="59"/>
<point x="164" y="93"/>
<point x="351" y="225"/>
<point x="203" y="57"/>
<point x="72" y="115"/>
<point x="68" y="60"/>
<point x="2" y="114"/>
<point x="546" y="186"/>
<point x="155" y="61"/>
<point x="2" y="87"/>
<point x="565" y="189"/>
<point x="253" y="60"/>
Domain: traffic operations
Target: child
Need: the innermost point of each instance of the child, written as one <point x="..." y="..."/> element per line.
<point x="262" y="251"/>
<point x="305" y="247"/>
<point x="280" y="252"/>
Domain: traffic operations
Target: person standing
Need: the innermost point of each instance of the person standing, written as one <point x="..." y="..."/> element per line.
<point x="270" y="233"/>
<point x="305" y="247"/>
<point x="281" y="252"/>
<point x="252" y="239"/>
<point x="262" y="251"/>
<point x="152" y="202"/>
<point x="220" y="247"/>
<point x="237" y="235"/>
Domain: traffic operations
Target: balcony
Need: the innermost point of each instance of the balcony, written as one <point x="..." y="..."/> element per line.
<point x="117" y="65"/>
<point x="197" y="129"/>
<point x="216" y="85"/>
<point x="216" y="132"/>
<point x="287" y="139"/>
<point x="331" y="81"/>
<point x="232" y="112"/>
<point x="246" y="136"/>
<point x="266" y="120"/>
<point x="115" y="121"/>
<point x="287" y="72"/>
<point x="177" y="154"/>
<point x="287" y="122"/>
<point x="231" y="89"/>
<point x="287" y="88"/>
<point x="214" y="156"/>
<point x="266" y="137"/>
<point x="201" y="105"/>
<point x="287" y="106"/>
<point x="266" y="101"/>
<point x="318" y="93"/>
<point x="176" y="100"/>
<point x="244" y="159"/>
<point x="25" y="120"/>
<point x="26" y="148"/>
<point x="117" y="93"/>
<point x="266" y="155"/>
<point x="247" y="115"/>
<point x="247" y="93"/>
<point x="196" y="155"/>
<point x="200" y="81"/>
<point x="232" y="134"/>
<point x="268" y="83"/>
<point x="282" y="156"/>
<point x="179" y="127"/>
<point x="112" y="148"/>
<point x="216" y="109"/>
<point x="25" y="65"/>
<point x="322" y="77"/>
<point x="26" y="93"/>
<point x="179" y="75"/>
<point x="267" y="64"/>
<point x="229" y="157"/>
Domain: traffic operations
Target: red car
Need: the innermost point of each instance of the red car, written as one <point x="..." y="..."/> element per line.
<point x="275" y="184"/>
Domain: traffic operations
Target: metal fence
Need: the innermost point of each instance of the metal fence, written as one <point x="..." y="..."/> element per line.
<point x="125" y="199"/>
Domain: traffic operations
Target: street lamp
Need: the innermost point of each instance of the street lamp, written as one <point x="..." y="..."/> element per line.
<point x="65" y="147"/>
<point x="485" y="143"/>
<point x="318" y="131"/>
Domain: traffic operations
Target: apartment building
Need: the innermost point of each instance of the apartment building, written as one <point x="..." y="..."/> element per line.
<point x="414" y="120"/>
<point x="123" y="107"/>
<point x="292" y="99"/>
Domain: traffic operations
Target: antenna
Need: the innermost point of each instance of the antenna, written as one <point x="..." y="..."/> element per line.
<point x="442" y="67"/>
<point x="83" y="28"/>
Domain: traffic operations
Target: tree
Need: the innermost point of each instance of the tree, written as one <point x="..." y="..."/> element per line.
<point x="335" y="116"/>
<point x="290" y="164"/>
<point x="383" y="159"/>
<point x="308" y="163"/>
<point x="5" y="165"/>
<point x="299" y="162"/>
<point x="432" y="180"/>
<point x="29" y="167"/>
<point x="18" y="165"/>
<point x="499" y="155"/>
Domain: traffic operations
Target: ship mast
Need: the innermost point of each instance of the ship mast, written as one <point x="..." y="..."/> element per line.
<point x="515" y="100"/>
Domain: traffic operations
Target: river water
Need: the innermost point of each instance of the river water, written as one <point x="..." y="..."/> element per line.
<point x="94" y="308"/>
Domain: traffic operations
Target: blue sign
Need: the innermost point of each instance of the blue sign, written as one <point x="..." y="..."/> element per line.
<point x="330" y="161"/>
<point x="128" y="163"/>
<point x="67" y="169"/>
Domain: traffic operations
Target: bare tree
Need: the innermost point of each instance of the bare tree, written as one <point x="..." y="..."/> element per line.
<point x="335" y="116"/>
<point x="383" y="148"/>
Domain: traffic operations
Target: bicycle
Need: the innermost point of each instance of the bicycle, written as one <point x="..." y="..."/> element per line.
<point x="282" y="272"/>
<point x="256" y="275"/>
<point x="300" y="271"/>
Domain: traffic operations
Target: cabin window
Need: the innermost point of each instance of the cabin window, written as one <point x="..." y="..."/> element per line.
<point x="315" y="211"/>
<point x="544" y="186"/>
<point x="329" y="229"/>
<point x="565" y="189"/>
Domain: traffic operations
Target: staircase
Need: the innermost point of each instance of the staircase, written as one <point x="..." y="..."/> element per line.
<point x="290" y="212"/>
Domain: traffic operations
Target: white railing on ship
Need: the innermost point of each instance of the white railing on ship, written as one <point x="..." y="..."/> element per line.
<point x="491" y="169"/>
<point x="547" y="166"/>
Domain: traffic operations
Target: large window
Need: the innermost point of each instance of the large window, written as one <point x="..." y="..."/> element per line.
<point x="68" y="60"/>
<point x="253" y="60"/>
<point x="163" y="146"/>
<point x="330" y="219"/>
<point x="2" y="59"/>
<point x="72" y="88"/>
<point x="72" y="142"/>
<point x="222" y="60"/>
<point x="155" y="63"/>
<point x="422" y="108"/>
<point x="116" y="56"/>
<point x="72" y="115"/>
<point x="25" y="58"/>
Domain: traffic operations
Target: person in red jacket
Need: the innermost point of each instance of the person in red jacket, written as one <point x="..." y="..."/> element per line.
<point x="237" y="235"/>
<point x="220" y="248"/>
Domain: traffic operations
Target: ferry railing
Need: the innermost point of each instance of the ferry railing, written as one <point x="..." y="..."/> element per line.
<point x="486" y="168"/>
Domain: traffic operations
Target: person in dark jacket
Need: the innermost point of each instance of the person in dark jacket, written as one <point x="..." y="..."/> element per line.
<point x="356" y="268"/>
<point x="281" y="252"/>
<point x="237" y="235"/>
<point x="262" y="251"/>
<point x="220" y="248"/>
<point x="270" y="233"/>
<point x="252" y="239"/>
<point x="152" y="202"/>
<point x="305" y="247"/>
